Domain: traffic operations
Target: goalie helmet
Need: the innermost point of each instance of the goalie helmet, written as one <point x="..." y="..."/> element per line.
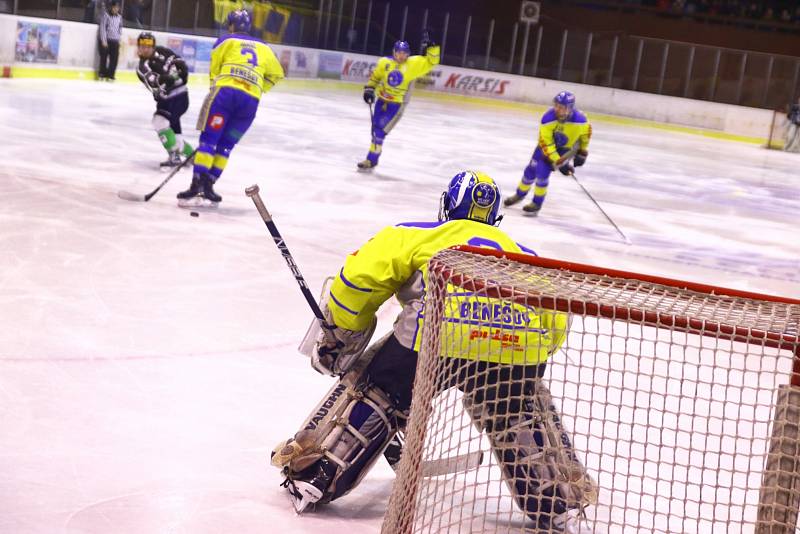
<point x="471" y="195"/>
<point x="240" y="20"/>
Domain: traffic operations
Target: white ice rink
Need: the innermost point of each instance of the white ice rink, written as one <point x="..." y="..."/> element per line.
<point x="147" y="358"/>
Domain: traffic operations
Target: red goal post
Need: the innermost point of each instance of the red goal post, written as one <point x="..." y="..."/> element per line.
<point x="633" y="352"/>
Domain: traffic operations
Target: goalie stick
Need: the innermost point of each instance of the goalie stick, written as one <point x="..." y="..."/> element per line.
<point x="135" y="197"/>
<point x="431" y="468"/>
<point x="253" y="193"/>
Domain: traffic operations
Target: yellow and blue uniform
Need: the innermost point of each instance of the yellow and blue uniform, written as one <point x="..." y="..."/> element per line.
<point x="391" y="81"/>
<point x="243" y="68"/>
<point x="556" y="138"/>
<point x="395" y="262"/>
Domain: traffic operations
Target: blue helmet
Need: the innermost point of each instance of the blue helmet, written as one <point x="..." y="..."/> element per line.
<point x="471" y="195"/>
<point x="565" y="98"/>
<point x="240" y="20"/>
<point x="402" y="46"/>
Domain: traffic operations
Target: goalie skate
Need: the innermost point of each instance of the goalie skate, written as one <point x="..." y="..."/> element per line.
<point x="301" y="494"/>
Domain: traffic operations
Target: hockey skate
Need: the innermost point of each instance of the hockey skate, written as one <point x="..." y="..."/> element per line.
<point x="202" y="188"/>
<point x="513" y="199"/>
<point x="531" y="209"/>
<point x="304" y="493"/>
<point x="366" y="165"/>
<point x="194" y="189"/>
<point x="171" y="162"/>
<point x="200" y="193"/>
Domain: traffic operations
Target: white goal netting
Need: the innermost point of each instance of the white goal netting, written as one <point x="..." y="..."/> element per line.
<point x="568" y="397"/>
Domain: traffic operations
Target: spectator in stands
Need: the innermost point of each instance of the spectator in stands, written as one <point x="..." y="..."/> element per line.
<point x="135" y="12"/>
<point x="88" y="12"/>
<point x="110" y="34"/>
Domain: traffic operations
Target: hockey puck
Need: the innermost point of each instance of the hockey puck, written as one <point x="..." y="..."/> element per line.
<point x="194" y="214"/>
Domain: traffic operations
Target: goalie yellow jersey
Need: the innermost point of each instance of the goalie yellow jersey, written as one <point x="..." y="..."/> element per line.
<point x="392" y="79"/>
<point x="475" y="327"/>
<point x="244" y="63"/>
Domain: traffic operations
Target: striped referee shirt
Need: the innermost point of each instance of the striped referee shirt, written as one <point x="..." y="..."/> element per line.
<point x="110" y="27"/>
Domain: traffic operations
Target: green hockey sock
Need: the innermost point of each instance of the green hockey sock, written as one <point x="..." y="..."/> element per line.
<point x="167" y="137"/>
<point x="187" y="149"/>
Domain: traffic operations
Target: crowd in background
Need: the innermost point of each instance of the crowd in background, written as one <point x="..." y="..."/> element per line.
<point x="772" y="10"/>
<point x="134" y="11"/>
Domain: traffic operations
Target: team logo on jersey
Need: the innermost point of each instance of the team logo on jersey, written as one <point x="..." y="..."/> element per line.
<point x="484" y="195"/>
<point x="215" y="122"/>
<point x="560" y="138"/>
<point x="395" y="78"/>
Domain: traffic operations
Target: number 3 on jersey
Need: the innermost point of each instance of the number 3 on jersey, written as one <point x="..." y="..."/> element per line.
<point x="253" y="57"/>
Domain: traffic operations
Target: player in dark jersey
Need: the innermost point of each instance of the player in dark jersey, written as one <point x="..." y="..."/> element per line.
<point x="165" y="74"/>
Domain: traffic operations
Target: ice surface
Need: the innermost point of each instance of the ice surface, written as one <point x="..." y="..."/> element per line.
<point x="147" y="358"/>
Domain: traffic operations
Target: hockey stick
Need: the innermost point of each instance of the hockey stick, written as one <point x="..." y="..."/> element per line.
<point x="125" y="195"/>
<point x="624" y="237"/>
<point x="371" y="124"/>
<point x="253" y="193"/>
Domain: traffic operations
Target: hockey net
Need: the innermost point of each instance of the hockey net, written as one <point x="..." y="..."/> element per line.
<point x="778" y="129"/>
<point x="681" y="401"/>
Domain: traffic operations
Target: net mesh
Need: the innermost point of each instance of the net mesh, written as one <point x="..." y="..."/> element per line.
<point x="552" y="399"/>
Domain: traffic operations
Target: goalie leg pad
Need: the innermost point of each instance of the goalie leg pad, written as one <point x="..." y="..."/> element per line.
<point x="360" y="428"/>
<point x="535" y="453"/>
<point x="349" y="430"/>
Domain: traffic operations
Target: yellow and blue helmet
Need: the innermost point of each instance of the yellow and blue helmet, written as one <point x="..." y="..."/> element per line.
<point x="471" y="195"/>
<point x="240" y="20"/>
<point x="401" y="46"/>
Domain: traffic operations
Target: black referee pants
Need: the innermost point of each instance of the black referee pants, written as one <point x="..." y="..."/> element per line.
<point x="108" y="59"/>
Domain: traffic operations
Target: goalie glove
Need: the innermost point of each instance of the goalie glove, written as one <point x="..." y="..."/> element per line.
<point x="337" y="348"/>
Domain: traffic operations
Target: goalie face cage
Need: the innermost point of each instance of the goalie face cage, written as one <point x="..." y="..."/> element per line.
<point x="682" y="402"/>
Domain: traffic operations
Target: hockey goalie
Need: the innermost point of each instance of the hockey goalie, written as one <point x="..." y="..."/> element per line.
<point x="363" y="415"/>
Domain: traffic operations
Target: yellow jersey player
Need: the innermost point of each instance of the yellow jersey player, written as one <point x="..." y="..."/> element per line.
<point x="243" y="68"/>
<point x="360" y="416"/>
<point x="390" y="81"/>
<point x="564" y="132"/>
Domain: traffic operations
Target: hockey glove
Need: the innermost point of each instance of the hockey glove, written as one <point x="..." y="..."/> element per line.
<point x="566" y="169"/>
<point x="369" y="94"/>
<point x="169" y="79"/>
<point x="426" y="42"/>
<point x="580" y="158"/>
<point x="563" y="166"/>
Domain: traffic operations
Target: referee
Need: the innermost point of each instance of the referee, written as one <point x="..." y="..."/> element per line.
<point x="110" y="35"/>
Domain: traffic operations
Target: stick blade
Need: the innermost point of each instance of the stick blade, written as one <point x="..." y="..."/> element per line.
<point x="453" y="464"/>
<point x="133" y="197"/>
